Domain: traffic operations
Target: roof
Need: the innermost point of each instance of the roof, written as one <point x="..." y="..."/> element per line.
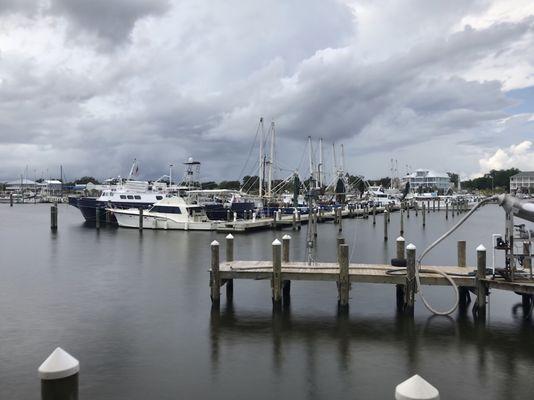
<point x="523" y="174"/>
<point x="19" y="181"/>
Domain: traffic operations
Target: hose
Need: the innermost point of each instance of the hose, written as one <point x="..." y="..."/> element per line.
<point x="436" y="271"/>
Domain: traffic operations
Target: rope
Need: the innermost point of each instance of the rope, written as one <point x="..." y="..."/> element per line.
<point x="436" y="271"/>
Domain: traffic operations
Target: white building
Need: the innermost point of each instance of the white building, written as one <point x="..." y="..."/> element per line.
<point x="428" y="179"/>
<point x="523" y="181"/>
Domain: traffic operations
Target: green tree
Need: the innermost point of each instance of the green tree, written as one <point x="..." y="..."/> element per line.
<point x="85" y="180"/>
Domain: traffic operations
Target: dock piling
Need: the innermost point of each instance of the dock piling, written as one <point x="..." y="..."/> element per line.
<point x="286" y="284"/>
<point x="276" y="281"/>
<point x="343" y="284"/>
<point x="340" y="223"/>
<point x="411" y="286"/>
<point x="294" y="225"/>
<point x="59" y="376"/>
<point x="339" y="241"/>
<point x="416" y="388"/>
<point x="480" y="285"/>
<point x="10" y="199"/>
<point x="446" y="210"/>
<point x="97" y="218"/>
<point x="53" y="217"/>
<point x="401" y="221"/>
<point x="386" y="225"/>
<point x="229" y="258"/>
<point x="215" y="279"/>
<point x="141" y="219"/>
<point x="423" y="213"/>
<point x="400" y="244"/>
<point x="374" y="214"/>
<point x="464" y="295"/>
<point x="527" y="263"/>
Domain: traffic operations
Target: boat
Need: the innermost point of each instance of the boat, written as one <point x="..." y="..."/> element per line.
<point x="170" y="213"/>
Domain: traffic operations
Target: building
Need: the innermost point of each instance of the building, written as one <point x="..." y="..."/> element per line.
<point x="428" y="179"/>
<point x="522" y="182"/>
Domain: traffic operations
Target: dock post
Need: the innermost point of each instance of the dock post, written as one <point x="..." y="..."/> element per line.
<point x="215" y="279"/>
<point x="97" y="217"/>
<point x="423" y="213"/>
<point x="433" y="205"/>
<point x="446" y="210"/>
<point x="400" y="242"/>
<point x="407" y="210"/>
<point x="276" y="282"/>
<point x="389" y="213"/>
<point x="401" y="222"/>
<point x="314" y="223"/>
<point x="53" y="217"/>
<point x="416" y="388"/>
<point x="527" y="263"/>
<point x="229" y="258"/>
<point x="254" y="217"/>
<point x="463" y="291"/>
<point x="428" y="206"/>
<point x="59" y="376"/>
<point x="340" y="212"/>
<point x="416" y="206"/>
<point x="336" y="216"/>
<point x="411" y="286"/>
<point x="299" y="221"/>
<point x="108" y="217"/>
<point x="339" y="241"/>
<point x="439" y="204"/>
<point x="141" y="220"/>
<point x="235" y="217"/>
<point x="386" y="225"/>
<point x="452" y="208"/>
<point x="228" y="215"/>
<point x="10" y="199"/>
<point x="275" y="214"/>
<point x="374" y="214"/>
<point x="343" y="283"/>
<point x="480" y="285"/>
<point x="286" y="284"/>
<point x="294" y="220"/>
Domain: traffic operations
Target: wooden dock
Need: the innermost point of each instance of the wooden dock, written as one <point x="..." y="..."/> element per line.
<point x="280" y="271"/>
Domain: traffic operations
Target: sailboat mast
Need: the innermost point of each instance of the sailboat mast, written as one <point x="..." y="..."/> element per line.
<point x="271" y="162"/>
<point x="310" y="156"/>
<point x="334" y="159"/>
<point x="320" y="166"/>
<point x="342" y="157"/>
<point x="260" y="188"/>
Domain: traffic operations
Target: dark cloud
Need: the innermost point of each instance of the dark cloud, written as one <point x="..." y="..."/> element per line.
<point x="110" y="21"/>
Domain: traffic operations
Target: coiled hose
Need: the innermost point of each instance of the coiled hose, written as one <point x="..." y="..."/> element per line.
<point x="436" y="271"/>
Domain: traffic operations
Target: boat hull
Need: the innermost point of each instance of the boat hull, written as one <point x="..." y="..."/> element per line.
<point x="131" y="220"/>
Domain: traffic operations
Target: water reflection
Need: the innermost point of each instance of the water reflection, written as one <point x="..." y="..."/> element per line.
<point x="460" y="337"/>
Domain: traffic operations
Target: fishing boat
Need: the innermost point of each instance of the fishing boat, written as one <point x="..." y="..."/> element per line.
<point x="170" y="213"/>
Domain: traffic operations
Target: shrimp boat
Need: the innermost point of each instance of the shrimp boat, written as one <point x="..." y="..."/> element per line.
<point x="170" y="213"/>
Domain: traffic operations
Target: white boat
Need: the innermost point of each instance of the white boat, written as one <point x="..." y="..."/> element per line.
<point x="378" y="197"/>
<point x="172" y="213"/>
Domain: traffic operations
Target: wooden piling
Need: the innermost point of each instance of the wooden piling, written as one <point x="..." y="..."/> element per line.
<point x="411" y="285"/>
<point x="53" y="217"/>
<point x="461" y="253"/>
<point x="141" y="220"/>
<point x="433" y="205"/>
<point x="400" y="242"/>
<point x="340" y="212"/>
<point x="229" y="258"/>
<point x="97" y="217"/>
<point x="343" y="283"/>
<point x="314" y="223"/>
<point x="386" y="226"/>
<point x="339" y="241"/>
<point x="446" y="210"/>
<point x="215" y="279"/>
<point x="416" y="206"/>
<point x="389" y="212"/>
<point x="10" y="199"/>
<point x="399" y="289"/>
<point x="276" y="280"/>
<point x="228" y="215"/>
<point x="374" y="214"/>
<point x="480" y="285"/>
<point x="407" y="210"/>
<point x="275" y="216"/>
<point x="401" y="222"/>
<point x="286" y="284"/>
<point x="423" y="213"/>
<point x="439" y="204"/>
<point x="299" y="221"/>
<point x="527" y="261"/>
<point x="294" y="225"/>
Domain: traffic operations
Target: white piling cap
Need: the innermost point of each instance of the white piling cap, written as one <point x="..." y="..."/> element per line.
<point x="400" y="239"/>
<point x="277" y="242"/>
<point x="286" y="237"/>
<point x="59" y="364"/>
<point x="416" y="388"/>
<point x="411" y="246"/>
<point x="215" y="243"/>
<point x="481" y="248"/>
<point x="229" y="236"/>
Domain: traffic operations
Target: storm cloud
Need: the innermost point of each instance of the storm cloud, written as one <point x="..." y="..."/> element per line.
<point x="92" y="85"/>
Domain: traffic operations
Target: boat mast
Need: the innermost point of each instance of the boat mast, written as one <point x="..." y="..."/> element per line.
<point x="260" y="188"/>
<point x="334" y="166"/>
<point x="320" y="166"/>
<point x="342" y="158"/>
<point x="271" y="161"/>
<point x="310" y="156"/>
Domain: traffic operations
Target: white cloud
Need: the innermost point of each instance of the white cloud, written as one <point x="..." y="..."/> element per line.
<point x="519" y="156"/>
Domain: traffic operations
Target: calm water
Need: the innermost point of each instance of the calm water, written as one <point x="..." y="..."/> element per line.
<point x="135" y="310"/>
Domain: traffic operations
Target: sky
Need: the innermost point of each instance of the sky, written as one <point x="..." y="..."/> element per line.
<point x="93" y="85"/>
